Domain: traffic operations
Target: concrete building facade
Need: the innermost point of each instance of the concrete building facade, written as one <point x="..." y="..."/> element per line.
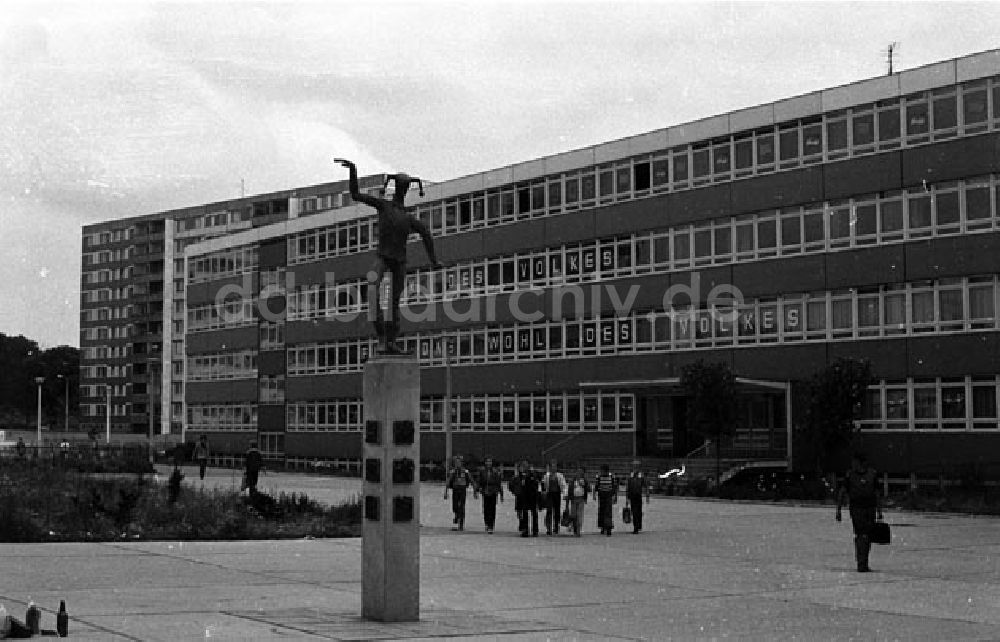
<point x="855" y="221"/>
<point x="131" y="304"/>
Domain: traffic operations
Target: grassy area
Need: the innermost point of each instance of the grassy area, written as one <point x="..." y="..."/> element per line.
<point x="40" y="503"/>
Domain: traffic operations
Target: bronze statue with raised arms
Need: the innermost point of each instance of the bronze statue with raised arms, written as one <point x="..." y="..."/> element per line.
<point x="395" y="225"/>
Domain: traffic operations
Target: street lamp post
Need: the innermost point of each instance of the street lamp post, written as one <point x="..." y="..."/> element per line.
<point x="38" y="439"/>
<point x="447" y="405"/>
<point x="107" y="413"/>
<point x="66" y="379"/>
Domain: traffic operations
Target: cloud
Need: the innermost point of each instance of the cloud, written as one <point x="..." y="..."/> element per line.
<point x="118" y="110"/>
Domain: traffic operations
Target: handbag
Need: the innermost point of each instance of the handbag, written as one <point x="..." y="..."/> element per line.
<point x="881" y="533"/>
<point x="567" y="519"/>
<point x="627" y="514"/>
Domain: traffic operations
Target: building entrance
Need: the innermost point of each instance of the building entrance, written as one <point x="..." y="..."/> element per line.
<point x="760" y="430"/>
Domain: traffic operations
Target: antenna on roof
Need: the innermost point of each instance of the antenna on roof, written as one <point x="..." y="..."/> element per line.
<point x="889" y="53"/>
<point x="243" y="188"/>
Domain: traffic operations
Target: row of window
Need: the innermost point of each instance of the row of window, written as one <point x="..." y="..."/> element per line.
<point x="111" y="294"/>
<point x="104" y="352"/>
<point x="320" y="202"/>
<point x="272" y="335"/>
<point x="972" y="205"/>
<point x="103" y="372"/>
<point x="271" y="389"/>
<point x="108" y="236"/>
<point x="228" y="262"/>
<point x="106" y="314"/>
<point x="559" y="411"/>
<point x="213" y="220"/>
<point x="101" y="390"/>
<point x="103" y="276"/>
<point x="232" y="313"/>
<point x="231" y="365"/>
<point x="104" y="333"/>
<point x="964" y="403"/>
<point x="226" y="416"/>
<point x="904" y="309"/>
<point x="101" y="410"/>
<point x="915" y="119"/>
<point x="108" y="256"/>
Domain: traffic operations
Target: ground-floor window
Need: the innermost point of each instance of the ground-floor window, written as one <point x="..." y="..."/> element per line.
<point x="939" y="403"/>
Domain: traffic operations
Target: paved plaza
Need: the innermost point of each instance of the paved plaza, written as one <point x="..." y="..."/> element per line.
<point x="702" y="570"/>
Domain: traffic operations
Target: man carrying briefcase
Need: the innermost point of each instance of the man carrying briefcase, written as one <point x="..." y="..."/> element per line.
<point x="861" y="490"/>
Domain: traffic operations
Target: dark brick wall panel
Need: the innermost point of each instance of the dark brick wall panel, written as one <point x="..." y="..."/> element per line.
<point x="949" y="160"/>
<point x="228" y="340"/>
<point x="865" y="175"/>
<point x="315" y="387"/>
<point x="778" y="190"/>
<point x="868" y="266"/>
<point x="271" y="418"/>
<point x="273" y="253"/>
<point x="698" y="204"/>
<point x="271" y="362"/>
<point x="767" y="278"/>
<point x="241" y="390"/>
<point x="570" y="227"/>
<point x="953" y="256"/>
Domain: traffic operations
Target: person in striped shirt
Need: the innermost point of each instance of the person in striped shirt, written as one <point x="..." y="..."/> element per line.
<point x="606" y="494"/>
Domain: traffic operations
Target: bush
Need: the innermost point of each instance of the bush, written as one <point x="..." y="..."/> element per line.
<point x="776" y="485"/>
<point x="39" y="504"/>
<point x="977" y="500"/>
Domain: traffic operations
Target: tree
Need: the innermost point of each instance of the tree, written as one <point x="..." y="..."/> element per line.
<point x="711" y="391"/>
<point x="21" y="360"/>
<point x="836" y="396"/>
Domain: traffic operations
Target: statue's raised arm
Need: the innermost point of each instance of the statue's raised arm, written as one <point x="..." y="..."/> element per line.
<point x="352" y="181"/>
<point x="395" y="224"/>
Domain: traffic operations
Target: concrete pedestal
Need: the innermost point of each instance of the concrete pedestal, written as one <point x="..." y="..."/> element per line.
<point x="390" y="581"/>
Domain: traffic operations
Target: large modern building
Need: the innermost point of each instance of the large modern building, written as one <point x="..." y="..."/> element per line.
<point x="131" y="303"/>
<point x="855" y="221"/>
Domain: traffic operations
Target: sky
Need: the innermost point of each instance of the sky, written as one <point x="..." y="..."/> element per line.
<point x="116" y="110"/>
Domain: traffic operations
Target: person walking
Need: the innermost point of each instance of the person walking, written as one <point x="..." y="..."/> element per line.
<point x="490" y="486"/>
<point x="459" y="480"/>
<point x="253" y="462"/>
<point x="576" y="499"/>
<point x="201" y="456"/>
<point x="860" y="489"/>
<point x="554" y="486"/>
<point x="606" y="494"/>
<point x="524" y="488"/>
<point x="635" y="487"/>
<point x="21" y="447"/>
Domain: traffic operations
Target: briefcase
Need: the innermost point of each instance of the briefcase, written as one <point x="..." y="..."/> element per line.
<point x="881" y="533"/>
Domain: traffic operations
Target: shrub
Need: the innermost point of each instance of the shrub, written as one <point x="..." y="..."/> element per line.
<point x="41" y="503"/>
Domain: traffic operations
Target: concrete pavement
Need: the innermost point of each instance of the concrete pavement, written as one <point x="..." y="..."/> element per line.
<point x="701" y="570"/>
